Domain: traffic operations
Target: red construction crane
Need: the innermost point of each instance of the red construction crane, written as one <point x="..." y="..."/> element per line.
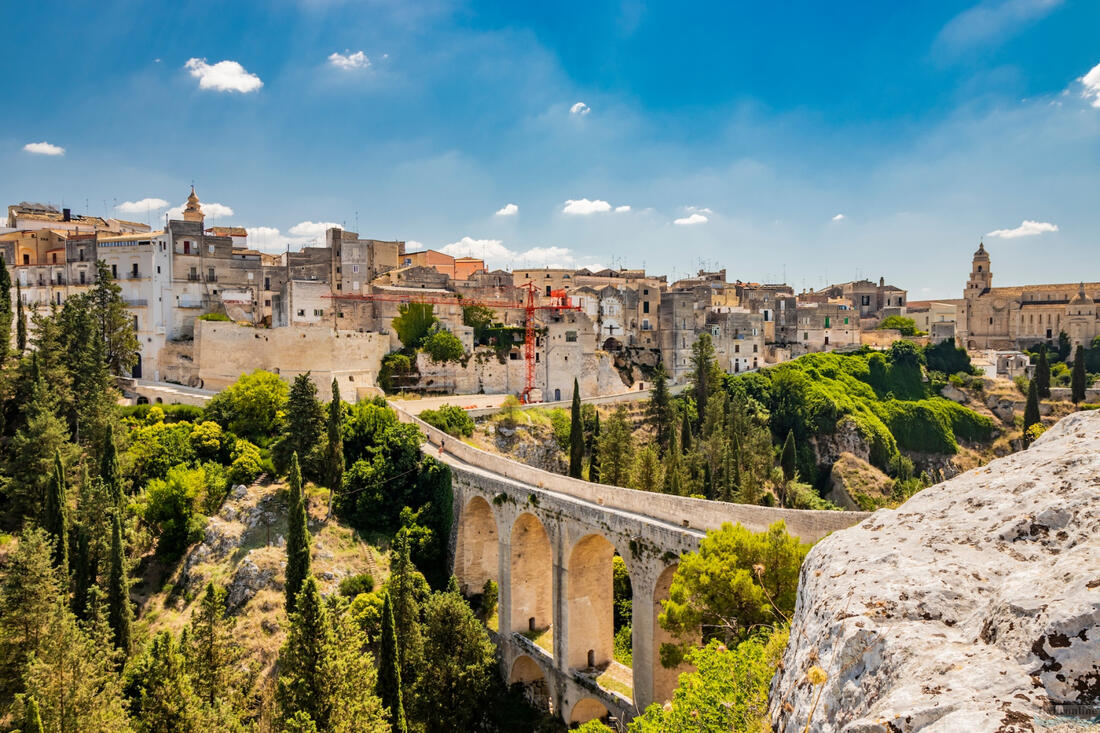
<point x="559" y="301"/>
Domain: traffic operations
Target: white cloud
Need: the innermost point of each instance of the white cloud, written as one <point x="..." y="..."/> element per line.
<point x="691" y="220"/>
<point x="496" y="254"/>
<point x="44" y="148"/>
<point x="838" y="217"/>
<point x="209" y="210"/>
<point x="349" y="61"/>
<point x="583" y="207"/>
<point x="1091" y="82"/>
<point x="141" y="207"/>
<point x="699" y="209"/>
<point x="508" y="210"/>
<point x="990" y="22"/>
<point x="224" y="76"/>
<point x="266" y="239"/>
<point x="1027" y="228"/>
<point x="312" y="229"/>
<point x="414" y="246"/>
<point x="580" y="108"/>
<point x="622" y="209"/>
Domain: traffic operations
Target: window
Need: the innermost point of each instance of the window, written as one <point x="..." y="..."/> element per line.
<point x="267" y="283"/>
<point x="737" y="348"/>
<point x="158" y="269"/>
<point x="81" y="277"/>
<point x="301" y="312"/>
<point x="570" y="336"/>
<point x="318" y="312"/>
<point x="26" y="259"/>
<point x="210" y="274"/>
<point x="355" y="269"/>
<point x="990" y="321"/>
<point x="250" y="276"/>
<point x="81" y="254"/>
<point x="134" y="270"/>
<point x="845" y="321"/>
<point x="645" y="307"/>
<point x="865" y="300"/>
<point x="114" y="271"/>
<point x="826" y="321"/>
<point x="548" y="288"/>
<point x="755" y="349"/>
<point x="135" y="323"/>
<point x="645" y="291"/>
<point x="186" y="247"/>
<point x="210" y="249"/>
<point x="805" y="336"/>
<point x="53" y="258"/>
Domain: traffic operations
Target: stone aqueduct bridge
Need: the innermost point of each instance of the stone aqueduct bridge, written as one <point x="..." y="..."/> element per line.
<point x="548" y="542"/>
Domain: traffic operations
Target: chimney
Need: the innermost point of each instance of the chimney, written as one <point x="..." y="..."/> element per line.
<point x="881" y="281"/>
<point x="66" y="215"/>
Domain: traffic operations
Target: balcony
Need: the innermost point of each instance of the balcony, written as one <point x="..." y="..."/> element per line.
<point x="134" y="275"/>
<point x="135" y="302"/>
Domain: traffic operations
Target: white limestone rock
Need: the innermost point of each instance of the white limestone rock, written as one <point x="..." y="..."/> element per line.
<point x="975" y="606"/>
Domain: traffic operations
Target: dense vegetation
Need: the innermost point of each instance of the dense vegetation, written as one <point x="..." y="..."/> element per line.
<point x="94" y="495"/>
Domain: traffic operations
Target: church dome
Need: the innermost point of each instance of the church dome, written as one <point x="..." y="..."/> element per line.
<point x="193" y="210"/>
<point x="981" y="251"/>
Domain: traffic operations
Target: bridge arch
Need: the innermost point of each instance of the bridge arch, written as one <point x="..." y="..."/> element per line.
<point x="588" y="708"/>
<point x="664" y="678"/>
<point x="527" y="672"/>
<point x="590" y="602"/>
<point x="476" y="557"/>
<point x="531" y="573"/>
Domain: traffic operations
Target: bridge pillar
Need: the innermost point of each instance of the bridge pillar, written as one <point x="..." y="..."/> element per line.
<point x="504" y="588"/>
<point x="644" y="656"/>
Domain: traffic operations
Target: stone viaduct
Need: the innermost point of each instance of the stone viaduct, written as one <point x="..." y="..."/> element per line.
<point x="548" y="541"/>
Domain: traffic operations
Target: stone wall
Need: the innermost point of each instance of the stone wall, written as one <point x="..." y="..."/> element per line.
<point x="224" y="351"/>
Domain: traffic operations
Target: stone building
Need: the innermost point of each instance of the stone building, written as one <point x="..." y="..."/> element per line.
<point x="49" y="265"/>
<point x="29" y="216"/>
<point x="825" y="327"/>
<point x="868" y="299"/>
<point x="1021" y="316"/>
<point x="776" y="303"/>
<point x="357" y="262"/>
<point x="738" y="336"/>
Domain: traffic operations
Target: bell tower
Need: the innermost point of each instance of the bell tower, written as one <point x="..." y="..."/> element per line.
<point x="981" y="279"/>
<point x="192" y="211"/>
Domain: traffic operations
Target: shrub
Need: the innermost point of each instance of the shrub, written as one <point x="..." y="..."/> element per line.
<point x="353" y="585"/>
<point x="947" y="358"/>
<point x="450" y="419"/>
<point x="443" y="346"/>
<point x="247" y="463"/>
<point x="394" y="366"/>
<point x="252" y="406"/>
<point x="169" y="505"/>
<point x="907" y="326"/>
<point x="214" y="317"/>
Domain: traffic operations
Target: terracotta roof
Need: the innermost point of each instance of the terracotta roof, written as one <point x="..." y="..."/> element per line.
<point x="228" y="231"/>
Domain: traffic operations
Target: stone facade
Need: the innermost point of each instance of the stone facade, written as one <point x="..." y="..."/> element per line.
<point x="1017" y="317"/>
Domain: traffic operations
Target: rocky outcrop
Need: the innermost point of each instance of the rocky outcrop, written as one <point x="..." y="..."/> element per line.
<point x="975" y="606"/>
<point x="845" y="439"/>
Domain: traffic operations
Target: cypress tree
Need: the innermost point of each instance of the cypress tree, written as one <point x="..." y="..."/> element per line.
<point x="1042" y="372"/>
<point x="403" y="585"/>
<point x="576" y="434"/>
<point x="297" y="538"/>
<point x="1078" y="378"/>
<point x="5" y="311"/>
<point x="109" y="471"/>
<point x="594" y="461"/>
<point x="305" y="421"/>
<point x="389" y="670"/>
<point x="1031" y="412"/>
<point x="674" y="461"/>
<point x="119" y="613"/>
<point x="334" y="458"/>
<point x="304" y="684"/>
<point x="685" y="435"/>
<point x="20" y="321"/>
<point x="56" y="517"/>
<point x="705" y="375"/>
<point x="660" y="407"/>
<point x="32" y="721"/>
<point x="787" y="459"/>
<point x="213" y="655"/>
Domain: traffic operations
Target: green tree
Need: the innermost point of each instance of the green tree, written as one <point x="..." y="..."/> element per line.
<point x="706" y="377"/>
<point x="28" y="588"/>
<point x="674" y="461"/>
<point x="1031" y="411"/>
<point x="297" y="537"/>
<point x="616" y="449"/>
<point x="647" y="473"/>
<point x="407" y="589"/>
<point x="787" y="459"/>
<point x="459" y="664"/>
<point x="56" y="516"/>
<point x="443" y="346"/>
<point x="115" y="324"/>
<point x="109" y="472"/>
<point x="213" y="655"/>
<point x="1077" y="379"/>
<point x="1042" y="373"/>
<point x="1065" y="346"/>
<point x="413" y="323"/>
<point x="302" y="684"/>
<point x="305" y="421"/>
<point x="389" y="671"/>
<point x="165" y="697"/>
<point x="735" y="582"/>
<point x="253" y="406"/>
<point x="5" y="311"/>
<point x="74" y="677"/>
<point x="169" y="507"/>
<point x="352" y="679"/>
<point x="594" y="460"/>
<point x="119" y="612"/>
<point x="32" y="450"/>
<point x="334" y="451"/>
<point x="32" y="720"/>
<point x="907" y="326"/>
<point x="20" y="321"/>
<point x="576" y="434"/>
<point x="479" y="318"/>
<point x="726" y="690"/>
<point x="660" y="411"/>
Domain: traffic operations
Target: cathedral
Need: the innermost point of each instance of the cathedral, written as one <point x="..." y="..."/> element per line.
<point x="1018" y="317"/>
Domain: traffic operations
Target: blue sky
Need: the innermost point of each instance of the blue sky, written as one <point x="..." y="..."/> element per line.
<point x="823" y="141"/>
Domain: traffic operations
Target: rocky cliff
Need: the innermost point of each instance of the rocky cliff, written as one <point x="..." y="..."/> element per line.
<point x="975" y="606"/>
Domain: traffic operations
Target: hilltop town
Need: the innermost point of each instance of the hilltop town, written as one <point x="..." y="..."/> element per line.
<point x="207" y="307"/>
